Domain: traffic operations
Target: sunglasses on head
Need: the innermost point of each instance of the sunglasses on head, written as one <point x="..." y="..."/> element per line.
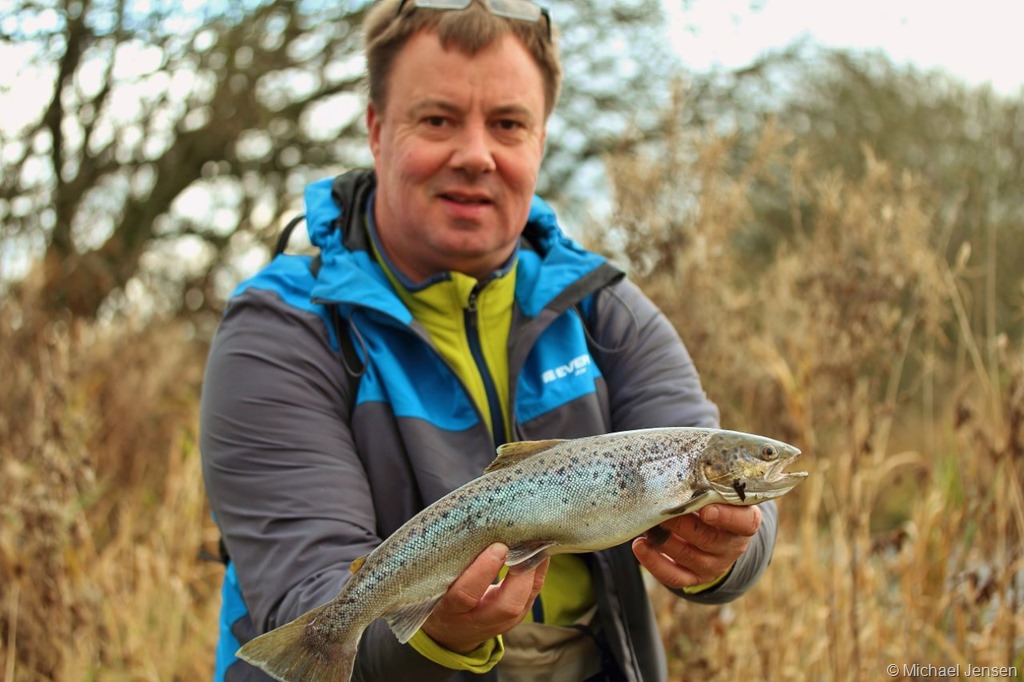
<point x="522" y="10"/>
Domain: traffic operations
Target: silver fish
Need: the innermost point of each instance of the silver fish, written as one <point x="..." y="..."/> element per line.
<point x="539" y="498"/>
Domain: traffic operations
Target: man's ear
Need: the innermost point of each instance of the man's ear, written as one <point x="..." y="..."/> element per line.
<point x="373" y="123"/>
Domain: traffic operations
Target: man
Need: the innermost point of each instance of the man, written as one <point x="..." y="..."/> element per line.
<point x="344" y="394"/>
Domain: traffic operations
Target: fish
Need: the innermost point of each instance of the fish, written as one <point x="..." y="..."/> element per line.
<point x="539" y="498"/>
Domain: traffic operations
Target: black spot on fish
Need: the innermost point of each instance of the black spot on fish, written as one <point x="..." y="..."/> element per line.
<point x="741" y="489"/>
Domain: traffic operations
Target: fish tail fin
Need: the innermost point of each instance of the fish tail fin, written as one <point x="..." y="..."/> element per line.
<point x="301" y="651"/>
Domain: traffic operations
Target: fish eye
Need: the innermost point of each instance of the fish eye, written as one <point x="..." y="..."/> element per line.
<point x="768" y="452"/>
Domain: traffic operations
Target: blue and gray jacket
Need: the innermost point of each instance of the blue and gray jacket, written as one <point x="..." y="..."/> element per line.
<point x="309" y="465"/>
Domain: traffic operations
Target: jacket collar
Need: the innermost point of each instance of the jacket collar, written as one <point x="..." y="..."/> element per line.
<point x="553" y="269"/>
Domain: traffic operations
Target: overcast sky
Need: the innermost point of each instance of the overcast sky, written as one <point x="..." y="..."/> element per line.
<point x="978" y="41"/>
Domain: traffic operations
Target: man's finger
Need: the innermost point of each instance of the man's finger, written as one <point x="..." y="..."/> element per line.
<point x="517" y="591"/>
<point x="469" y="588"/>
<point x="662" y="568"/>
<point x="732" y="519"/>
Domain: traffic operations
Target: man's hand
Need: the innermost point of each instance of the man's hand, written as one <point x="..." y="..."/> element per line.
<point x="697" y="548"/>
<point x="474" y="609"/>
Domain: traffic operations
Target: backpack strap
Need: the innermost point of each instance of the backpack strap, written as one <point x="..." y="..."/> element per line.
<point x="349" y="357"/>
<point x="350" y="360"/>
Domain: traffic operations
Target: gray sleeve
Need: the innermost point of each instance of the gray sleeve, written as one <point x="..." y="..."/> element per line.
<point x="286" y="486"/>
<point x="652" y="382"/>
<point x="650" y="376"/>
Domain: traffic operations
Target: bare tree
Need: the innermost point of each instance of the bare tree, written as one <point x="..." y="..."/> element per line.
<point x="171" y="141"/>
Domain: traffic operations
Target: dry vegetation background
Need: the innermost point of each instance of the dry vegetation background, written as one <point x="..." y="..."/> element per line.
<point x="850" y="337"/>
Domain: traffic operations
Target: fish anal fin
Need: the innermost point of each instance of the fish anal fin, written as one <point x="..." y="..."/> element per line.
<point x="699" y="499"/>
<point x="513" y="453"/>
<point x="404" y="622"/>
<point x="525" y="557"/>
<point x="357" y="564"/>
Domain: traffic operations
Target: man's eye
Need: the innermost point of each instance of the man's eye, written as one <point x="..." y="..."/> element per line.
<point x="510" y="124"/>
<point x="435" y="121"/>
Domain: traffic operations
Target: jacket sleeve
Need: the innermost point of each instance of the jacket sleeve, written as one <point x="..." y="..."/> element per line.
<point x="652" y="382"/>
<point x="285" y="483"/>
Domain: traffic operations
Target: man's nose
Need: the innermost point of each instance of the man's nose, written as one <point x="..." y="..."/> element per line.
<point x="474" y="153"/>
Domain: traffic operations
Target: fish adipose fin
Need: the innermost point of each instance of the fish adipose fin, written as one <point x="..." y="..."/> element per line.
<point x="525" y="557"/>
<point x="407" y="620"/>
<point x="299" y="651"/>
<point x="513" y="453"/>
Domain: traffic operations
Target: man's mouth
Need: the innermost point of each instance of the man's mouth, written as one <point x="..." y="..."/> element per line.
<point x="466" y="200"/>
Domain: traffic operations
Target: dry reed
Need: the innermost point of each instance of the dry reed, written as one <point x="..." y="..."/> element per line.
<point x="102" y="510"/>
<point x="839" y="333"/>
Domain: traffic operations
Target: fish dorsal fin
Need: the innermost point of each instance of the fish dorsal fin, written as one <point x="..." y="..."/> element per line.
<point x="357" y="564"/>
<point x="513" y="453"/>
<point x="407" y="620"/>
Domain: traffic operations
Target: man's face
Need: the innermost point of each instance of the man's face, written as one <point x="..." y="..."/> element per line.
<point x="457" y="150"/>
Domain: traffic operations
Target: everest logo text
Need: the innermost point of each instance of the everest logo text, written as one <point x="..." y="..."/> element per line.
<point x="575" y="367"/>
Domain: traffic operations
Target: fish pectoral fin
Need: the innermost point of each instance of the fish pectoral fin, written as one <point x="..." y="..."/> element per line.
<point x="513" y="453"/>
<point x="525" y="557"/>
<point x="657" y="536"/>
<point x="357" y="564"/>
<point x="404" y="622"/>
<point x="699" y="499"/>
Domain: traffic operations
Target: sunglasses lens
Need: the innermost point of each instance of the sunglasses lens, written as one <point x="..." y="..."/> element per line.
<point x="522" y="10"/>
<point x="516" y="9"/>
<point x="439" y="4"/>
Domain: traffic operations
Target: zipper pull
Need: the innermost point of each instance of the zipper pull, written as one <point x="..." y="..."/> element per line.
<point x="471" y="303"/>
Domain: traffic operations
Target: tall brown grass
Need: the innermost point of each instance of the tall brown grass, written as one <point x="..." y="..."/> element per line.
<point x="102" y="510"/>
<point x="846" y="333"/>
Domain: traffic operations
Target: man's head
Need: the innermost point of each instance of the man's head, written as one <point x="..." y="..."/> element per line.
<point x="459" y="99"/>
<point x="391" y="23"/>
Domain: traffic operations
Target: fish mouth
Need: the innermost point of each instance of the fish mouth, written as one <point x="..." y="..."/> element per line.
<point x="782" y="483"/>
<point x="772" y="483"/>
<point x="775" y="473"/>
<point x="776" y="479"/>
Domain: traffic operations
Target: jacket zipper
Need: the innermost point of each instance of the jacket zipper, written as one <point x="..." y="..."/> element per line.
<point x="472" y="318"/>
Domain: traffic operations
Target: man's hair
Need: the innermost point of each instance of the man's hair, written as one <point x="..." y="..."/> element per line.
<point x="469" y="30"/>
